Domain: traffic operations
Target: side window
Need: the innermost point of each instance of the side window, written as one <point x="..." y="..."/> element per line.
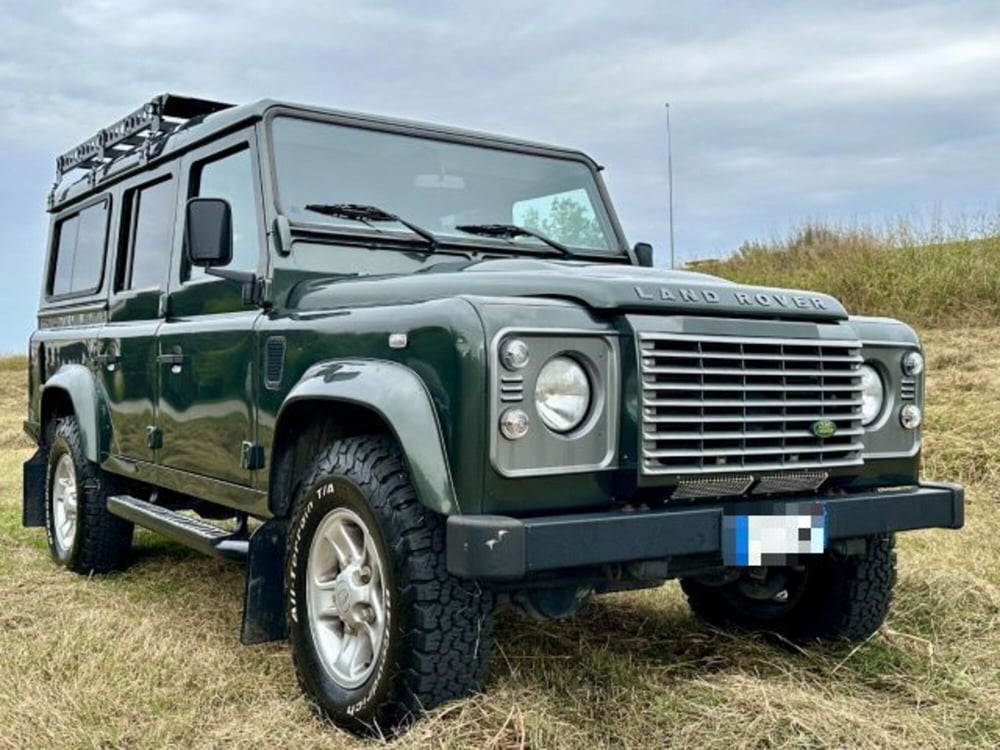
<point x="231" y="177"/>
<point x="150" y="234"/>
<point x="78" y="265"/>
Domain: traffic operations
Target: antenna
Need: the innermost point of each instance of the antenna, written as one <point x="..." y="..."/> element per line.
<point x="670" y="187"/>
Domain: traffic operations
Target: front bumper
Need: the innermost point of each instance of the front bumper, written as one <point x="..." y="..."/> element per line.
<point x="502" y="547"/>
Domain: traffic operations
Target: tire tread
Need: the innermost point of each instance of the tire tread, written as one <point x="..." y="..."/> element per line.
<point x="448" y="621"/>
<point x="104" y="541"/>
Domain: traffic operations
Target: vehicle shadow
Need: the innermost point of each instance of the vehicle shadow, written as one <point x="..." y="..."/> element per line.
<point x="611" y="639"/>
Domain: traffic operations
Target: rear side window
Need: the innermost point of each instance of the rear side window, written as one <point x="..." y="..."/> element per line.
<point x="81" y="239"/>
<point x="151" y="209"/>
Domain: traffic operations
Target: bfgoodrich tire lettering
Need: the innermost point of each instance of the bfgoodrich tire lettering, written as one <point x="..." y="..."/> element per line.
<point x="82" y="534"/>
<point x="437" y="628"/>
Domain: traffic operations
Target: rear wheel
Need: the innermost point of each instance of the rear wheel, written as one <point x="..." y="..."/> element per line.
<point x="82" y="534"/>
<point x="379" y="630"/>
<point x="829" y="598"/>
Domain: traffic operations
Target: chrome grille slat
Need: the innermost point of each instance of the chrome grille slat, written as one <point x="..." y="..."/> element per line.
<point x="762" y="435"/>
<point x="740" y="387"/>
<point x="761" y="342"/>
<point x="751" y="372"/>
<point x="724" y="404"/>
<point x="751" y="451"/>
<point x="755" y="402"/>
<point x="722" y="419"/>
<point x="761" y="357"/>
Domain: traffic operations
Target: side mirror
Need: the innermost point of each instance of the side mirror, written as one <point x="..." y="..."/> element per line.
<point x="208" y="232"/>
<point x="644" y="254"/>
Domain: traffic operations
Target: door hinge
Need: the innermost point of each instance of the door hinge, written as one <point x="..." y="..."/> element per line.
<point x="154" y="438"/>
<point x="252" y="456"/>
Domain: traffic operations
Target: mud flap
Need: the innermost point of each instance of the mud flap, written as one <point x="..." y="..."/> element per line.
<point x="264" y="601"/>
<point x="33" y="510"/>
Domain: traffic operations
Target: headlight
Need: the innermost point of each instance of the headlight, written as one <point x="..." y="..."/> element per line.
<point x="562" y="394"/>
<point x="872" y="394"/>
<point x="913" y="364"/>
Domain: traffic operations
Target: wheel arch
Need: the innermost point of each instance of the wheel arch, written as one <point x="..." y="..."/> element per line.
<point x="72" y="391"/>
<point x="343" y="398"/>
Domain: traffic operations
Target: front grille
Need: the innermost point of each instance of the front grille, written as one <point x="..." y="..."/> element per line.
<point x="714" y="404"/>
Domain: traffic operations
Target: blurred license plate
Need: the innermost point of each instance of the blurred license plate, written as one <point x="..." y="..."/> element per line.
<point x="755" y="540"/>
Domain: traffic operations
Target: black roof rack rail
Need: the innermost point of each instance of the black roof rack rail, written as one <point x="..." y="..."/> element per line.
<point x="163" y="114"/>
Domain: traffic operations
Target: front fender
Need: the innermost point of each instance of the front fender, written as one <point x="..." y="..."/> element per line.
<point x="402" y="401"/>
<point x="77" y="383"/>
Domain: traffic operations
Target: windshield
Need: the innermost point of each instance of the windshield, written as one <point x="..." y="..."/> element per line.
<point x="438" y="185"/>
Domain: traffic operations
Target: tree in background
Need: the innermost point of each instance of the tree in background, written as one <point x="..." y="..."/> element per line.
<point x="567" y="221"/>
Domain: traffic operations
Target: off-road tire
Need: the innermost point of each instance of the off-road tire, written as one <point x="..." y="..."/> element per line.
<point x="102" y="542"/>
<point x="839" y="598"/>
<point x="439" y="628"/>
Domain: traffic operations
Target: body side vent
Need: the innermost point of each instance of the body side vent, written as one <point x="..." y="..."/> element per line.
<point x="274" y="362"/>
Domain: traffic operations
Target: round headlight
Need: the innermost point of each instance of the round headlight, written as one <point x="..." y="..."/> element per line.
<point x="872" y="394"/>
<point x="514" y="354"/>
<point x="562" y="394"/>
<point x="913" y="363"/>
<point x="910" y="416"/>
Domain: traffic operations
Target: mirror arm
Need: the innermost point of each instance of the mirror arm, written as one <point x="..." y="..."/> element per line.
<point x="253" y="288"/>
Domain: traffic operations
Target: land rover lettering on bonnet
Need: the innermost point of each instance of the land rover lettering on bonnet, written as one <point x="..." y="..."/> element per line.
<point x="404" y="373"/>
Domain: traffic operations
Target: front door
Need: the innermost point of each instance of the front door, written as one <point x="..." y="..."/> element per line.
<point x="207" y="351"/>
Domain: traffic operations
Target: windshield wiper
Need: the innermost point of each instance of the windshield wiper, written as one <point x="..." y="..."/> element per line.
<point x="369" y="214"/>
<point x="509" y="231"/>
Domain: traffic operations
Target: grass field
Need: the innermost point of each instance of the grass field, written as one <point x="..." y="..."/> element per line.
<point x="151" y="658"/>
<point x="930" y="277"/>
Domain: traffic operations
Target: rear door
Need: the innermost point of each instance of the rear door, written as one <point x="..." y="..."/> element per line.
<point x="206" y="346"/>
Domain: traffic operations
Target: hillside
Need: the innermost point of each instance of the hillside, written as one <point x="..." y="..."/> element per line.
<point x="151" y="658"/>
<point x="929" y="283"/>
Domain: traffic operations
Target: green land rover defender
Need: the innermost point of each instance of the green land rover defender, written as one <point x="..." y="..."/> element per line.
<point x="407" y="373"/>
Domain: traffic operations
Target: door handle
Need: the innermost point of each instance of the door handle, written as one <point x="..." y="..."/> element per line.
<point x="174" y="361"/>
<point x="110" y="361"/>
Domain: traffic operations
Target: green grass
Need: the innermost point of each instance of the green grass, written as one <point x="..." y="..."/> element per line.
<point x="926" y="281"/>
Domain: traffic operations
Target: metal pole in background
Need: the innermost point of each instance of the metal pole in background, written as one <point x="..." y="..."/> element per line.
<point x="670" y="186"/>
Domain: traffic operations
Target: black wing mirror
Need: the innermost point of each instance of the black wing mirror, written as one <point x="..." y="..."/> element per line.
<point x="208" y="232"/>
<point x="644" y="254"/>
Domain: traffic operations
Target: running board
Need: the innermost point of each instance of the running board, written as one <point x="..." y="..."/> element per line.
<point x="199" y="535"/>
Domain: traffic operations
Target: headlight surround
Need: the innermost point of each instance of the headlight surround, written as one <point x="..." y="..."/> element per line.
<point x="562" y="394"/>
<point x="872" y="394"/>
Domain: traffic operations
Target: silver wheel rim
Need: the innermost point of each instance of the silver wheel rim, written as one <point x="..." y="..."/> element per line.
<point x="64" y="503"/>
<point x="345" y="591"/>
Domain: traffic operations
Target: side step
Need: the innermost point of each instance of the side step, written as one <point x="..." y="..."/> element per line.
<point x="188" y="531"/>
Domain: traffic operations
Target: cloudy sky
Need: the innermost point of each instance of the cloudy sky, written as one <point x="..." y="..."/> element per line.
<point x="780" y="111"/>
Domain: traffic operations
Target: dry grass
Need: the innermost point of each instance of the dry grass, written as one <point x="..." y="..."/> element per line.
<point x="935" y="278"/>
<point x="151" y="658"/>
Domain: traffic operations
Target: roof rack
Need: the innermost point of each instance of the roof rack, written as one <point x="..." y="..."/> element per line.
<point x="161" y="115"/>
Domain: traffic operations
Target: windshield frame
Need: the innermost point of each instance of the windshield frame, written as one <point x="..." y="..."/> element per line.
<point x="524" y="246"/>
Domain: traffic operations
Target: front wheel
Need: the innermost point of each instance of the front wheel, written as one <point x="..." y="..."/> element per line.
<point x="379" y="629"/>
<point x="829" y="598"/>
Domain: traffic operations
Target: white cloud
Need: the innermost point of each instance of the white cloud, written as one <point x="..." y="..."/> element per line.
<point x="778" y="108"/>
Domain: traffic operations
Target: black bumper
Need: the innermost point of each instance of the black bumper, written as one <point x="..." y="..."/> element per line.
<point x="501" y="547"/>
